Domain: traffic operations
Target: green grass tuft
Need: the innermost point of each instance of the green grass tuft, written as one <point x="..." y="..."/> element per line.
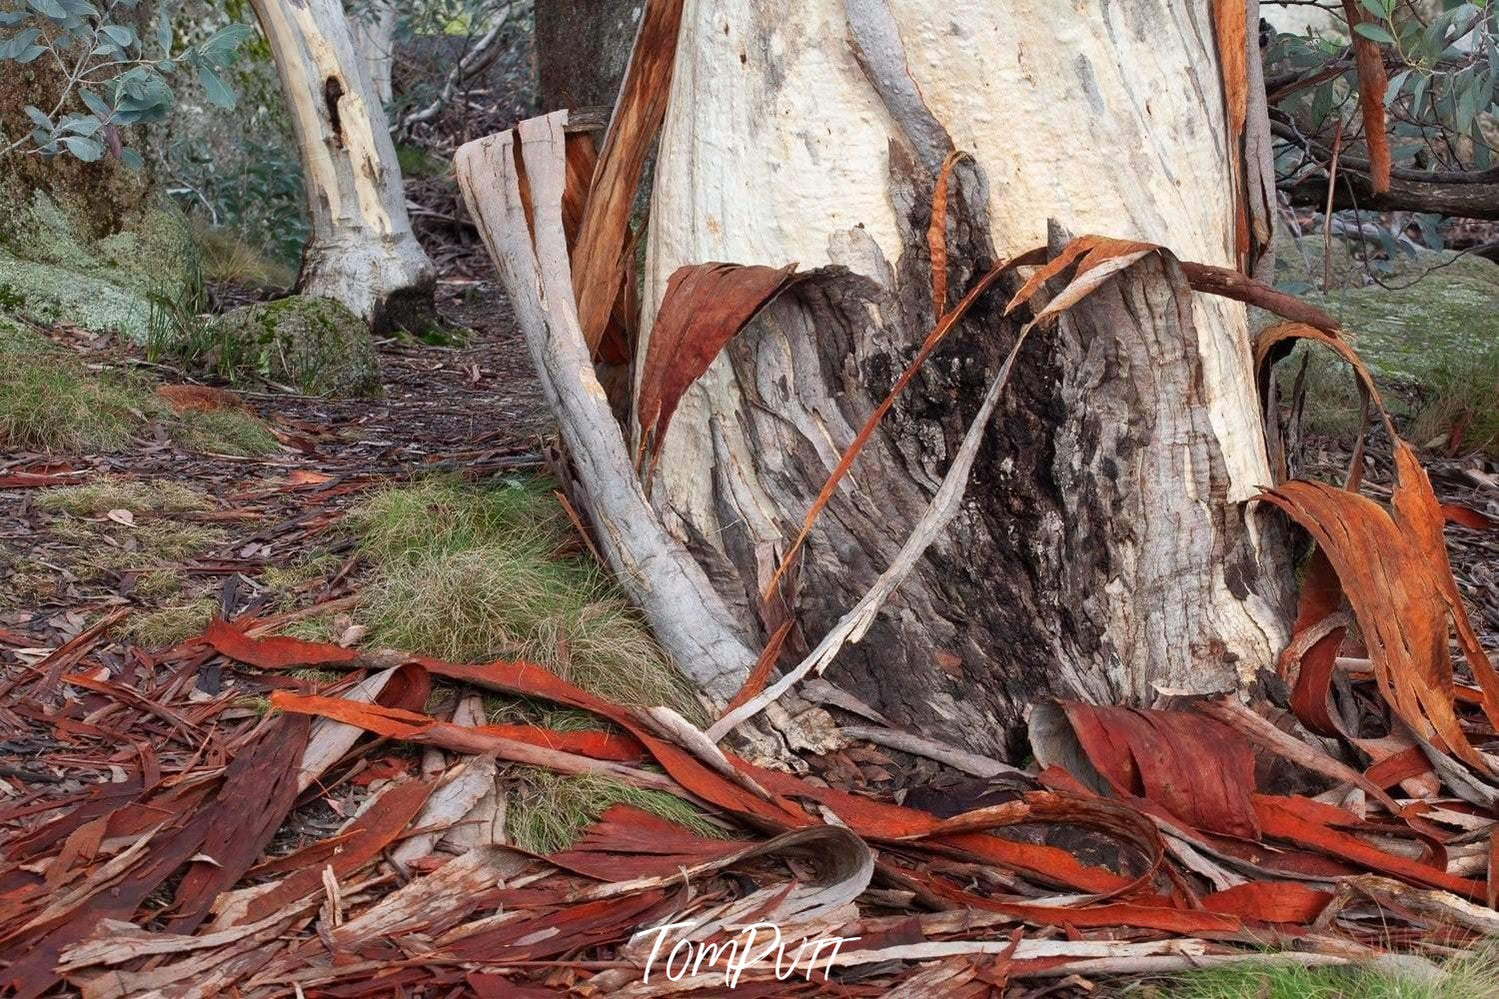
<point x="471" y="574"/>
<point x="108" y="492"/>
<point x="226" y="258"/>
<point x="49" y="403"/>
<point x="1475" y="977"/>
<point x="226" y="431"/>
<point x="159" y="584"/>
<point x="548" y="811"/>
<point x="310" y="629"/>
<point x="166" y="627"/>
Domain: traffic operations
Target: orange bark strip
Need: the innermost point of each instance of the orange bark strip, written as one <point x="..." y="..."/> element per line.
<point x="936" y="233"/>
<point x="1372" y="83"/>
<point x="1303" y="822"/>
<point x="598" y="261"/>
<point x="1231" y="284"/>
<point x="1270" y="902"/>
<point x="1230" y="24"/>
<point x="272" y="653"/>
<point x="760" y="674"/>
<point x="705" y="306"/>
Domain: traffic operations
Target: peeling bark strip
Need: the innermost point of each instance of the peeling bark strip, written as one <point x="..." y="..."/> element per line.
<point x="692" y="624"/>
<point x="1372" y="83"/>
<point x="1102" y="546"/>
<point x="598" y="260"/>
<point x="362" y="251"/>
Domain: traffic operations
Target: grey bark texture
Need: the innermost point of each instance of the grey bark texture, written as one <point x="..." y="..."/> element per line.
<point x="582" y="49"/>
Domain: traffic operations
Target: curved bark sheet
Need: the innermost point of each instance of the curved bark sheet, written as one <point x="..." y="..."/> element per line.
<point x="599" y="257"/>
<point x="1198" y="769"/>
<point x="705" y="306"/>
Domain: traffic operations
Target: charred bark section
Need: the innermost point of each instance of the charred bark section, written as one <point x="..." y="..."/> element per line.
<point x="1085" y="560"/>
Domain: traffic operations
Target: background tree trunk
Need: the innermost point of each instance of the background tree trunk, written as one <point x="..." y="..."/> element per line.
<point x="1103" y="548"/>
<point x="362" y="251"/>
<point x="375" y="42"/>
<point x="582" y="48"/>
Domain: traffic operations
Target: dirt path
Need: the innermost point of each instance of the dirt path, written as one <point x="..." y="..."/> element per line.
<point x="473" y="411"/>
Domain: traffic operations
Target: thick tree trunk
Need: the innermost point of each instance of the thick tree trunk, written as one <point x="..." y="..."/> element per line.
<point x="1105" y="548"/>
<point x="582" y="48"/>
<point x="362" y="251"/>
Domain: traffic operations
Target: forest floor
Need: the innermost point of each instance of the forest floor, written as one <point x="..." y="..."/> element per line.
<point x="117" y="560"/>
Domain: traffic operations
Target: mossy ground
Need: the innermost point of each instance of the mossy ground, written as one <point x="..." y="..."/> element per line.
<point x="1429" y="334"/>
<point x="54" y="268"/>
<point x="312" y="345"/>
<point x="53" y="403"/>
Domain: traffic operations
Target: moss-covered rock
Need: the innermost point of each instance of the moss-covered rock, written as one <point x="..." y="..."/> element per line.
<point x="57" y="264"/>
<point x="1428" y="330"/>
<point x="313" y="344"/>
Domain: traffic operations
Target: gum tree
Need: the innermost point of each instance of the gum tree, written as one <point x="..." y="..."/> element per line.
<point x="897" y="153"/>
<point x="362" y="251"/>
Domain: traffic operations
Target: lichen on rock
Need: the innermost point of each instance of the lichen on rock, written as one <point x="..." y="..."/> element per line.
<point x="315" y="345"/>
<point x="54" y="267"/>
<point x="1427" y="329"/>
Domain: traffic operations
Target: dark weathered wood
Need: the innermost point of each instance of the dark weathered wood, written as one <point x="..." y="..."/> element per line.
<point x="1096" y="538"/>
<point x="582" y="48"/>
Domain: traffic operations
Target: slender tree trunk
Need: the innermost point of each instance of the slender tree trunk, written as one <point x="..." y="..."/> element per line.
<point x="375" y="42"/>
<point x="1104" y="548"/>
<point x="362" y="251"/>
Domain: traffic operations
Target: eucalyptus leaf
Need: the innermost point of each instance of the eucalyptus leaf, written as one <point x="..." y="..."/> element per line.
<point x="49" y="8"/>
<point x="84" y="148"/>
<point x="214" y="88"/>
<point x="1375" y="32"/>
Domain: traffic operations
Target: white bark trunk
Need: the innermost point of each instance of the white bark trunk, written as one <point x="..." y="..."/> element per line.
<point x="362" y="251"/>
<point x="1109" y="117"/>
<point x="375" y="42"/>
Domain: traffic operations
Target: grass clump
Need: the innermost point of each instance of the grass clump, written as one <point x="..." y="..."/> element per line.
<point x="49" y="403"/>
<point x="166" y="627"/>
<point x="171" y="540"/>
<point x="548" y="811"/>
<point x="299" y="573"/>
<point x="309" y="629"/>
<point x="471" y="573"/>
<point x="224" y="257"/>
<point x="1475" y="977"/>
<point x="109" y="492"/>
<point x="159" y="584"/>
<point x="226" y="431"/>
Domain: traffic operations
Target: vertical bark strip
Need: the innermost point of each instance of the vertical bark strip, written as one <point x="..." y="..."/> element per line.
<point x="1372" y="83"/>
<point x="362" y="251"/>
<point x="670" y="588"/>
<point x="598" y="257"/>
